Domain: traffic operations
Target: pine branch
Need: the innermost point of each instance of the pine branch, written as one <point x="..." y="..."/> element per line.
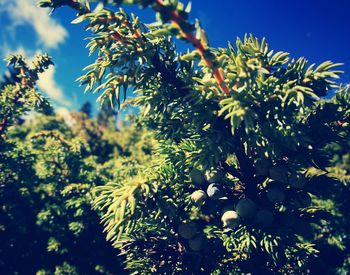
<point x="24" y="82"/>
<point x="200" y="44"/>
<point x="6" y="120"/>
<point x="27" y="79"/>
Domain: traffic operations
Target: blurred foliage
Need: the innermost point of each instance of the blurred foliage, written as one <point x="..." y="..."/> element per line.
<point x="47" y="172"/>
<point x="48" y="167"/>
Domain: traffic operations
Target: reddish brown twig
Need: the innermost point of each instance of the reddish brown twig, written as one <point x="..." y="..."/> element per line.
<point x="202" y="49"/>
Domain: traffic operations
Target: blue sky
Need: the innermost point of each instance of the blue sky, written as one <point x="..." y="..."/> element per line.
<point x="316" y="29"/>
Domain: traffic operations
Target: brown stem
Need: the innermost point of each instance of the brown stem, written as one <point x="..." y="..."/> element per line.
<point x="202" y="49"/>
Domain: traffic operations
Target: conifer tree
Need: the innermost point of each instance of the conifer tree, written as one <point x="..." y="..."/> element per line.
<point x="251" y="169"/>
<point x="47" y="170"/>
<point x="19" y="95"/>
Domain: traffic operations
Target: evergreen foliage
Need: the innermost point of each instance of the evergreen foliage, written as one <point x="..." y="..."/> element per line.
<point x="48" y="167"/>
<point x="250" y="171"/>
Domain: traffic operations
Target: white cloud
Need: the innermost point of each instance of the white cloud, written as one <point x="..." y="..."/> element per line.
<point x="26" y="53"/>
<point x="48" y="84"/>
<point x="24" y="12"/>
